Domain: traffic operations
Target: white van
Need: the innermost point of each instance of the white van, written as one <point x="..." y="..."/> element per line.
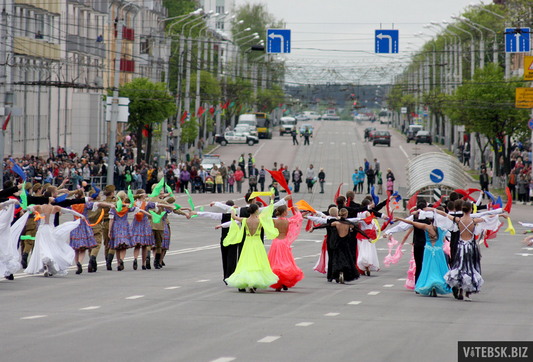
<point x="287" y="124"/>
<point x="250" y="120"/>
<point x="313" y="116"/>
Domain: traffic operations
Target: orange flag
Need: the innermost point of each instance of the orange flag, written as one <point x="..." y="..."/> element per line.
<point x="303" y="205"/>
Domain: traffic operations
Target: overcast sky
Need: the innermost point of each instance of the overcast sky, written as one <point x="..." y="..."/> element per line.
<point x="331" y="27"/>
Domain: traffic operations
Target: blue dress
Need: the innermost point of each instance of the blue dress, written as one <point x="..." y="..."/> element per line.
<point x="82" y="237"/>
<point x="434" y="267"/>
<point x="141" y="231"/>
<point x="165" y="245"/>
<point x="121" y="231"/>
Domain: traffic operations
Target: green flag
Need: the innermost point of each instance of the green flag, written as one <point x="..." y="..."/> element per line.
<point x="190" y="199"/>
<point x="119" y="205"/>
<point x="169" y="190"/>
<point x="130" y="195"/>
<point x="24" y="197"/>
<point x="27" y="237"/>
<point x="156" y="218"/>
<point x="177" y="207"/>
<point x="157" y="188"/>
<point x="201" y="209"/>
<point x="232" y="104"/>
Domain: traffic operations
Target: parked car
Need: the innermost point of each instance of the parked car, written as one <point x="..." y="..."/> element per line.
<point x="304" y="126"/>
<point x="246" y="129"/>
<point x="209" y="160"/>
<point x="327" y="117"/>
<point x="234" y="137"/>
<point x="302" y="118"/>
<point x="362" y="117"/>
<point x="368" y="130"/>
<point x="312" y="115"/>
<point x="287" y="125"/>
<point x="423" y="137"/>
<point x="412" y="131"/>
<point x="381" y="137"/>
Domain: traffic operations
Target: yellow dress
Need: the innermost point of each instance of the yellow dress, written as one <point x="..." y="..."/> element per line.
<point x="253" y="269"/>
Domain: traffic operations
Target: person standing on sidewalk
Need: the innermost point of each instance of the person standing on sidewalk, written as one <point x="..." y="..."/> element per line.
<point x="262" y="178"/>
<point x="321" y="179"/>
<point x="370" y="178"/>
<point x="484" y="181"/>
<point x="297" y="179"/>
<point x="309" y="178"/>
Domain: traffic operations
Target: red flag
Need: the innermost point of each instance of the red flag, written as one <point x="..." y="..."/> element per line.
<point x="465" y="194"/>
<point x="225" y="106"/>
<point x="264" y="107"/>
<point x="145" y="132"/>
<point x="201" y="111"/>
<point x="507" y="207"/>
<point x="412" y="201"/>
<point x="212" y="111"/>
<point x="278" y="176"/>
<point x="4" y="127"/>
<point x="471" y="191"/>
<point x="280" y="105"/>
<point x="183" y="117"/>
<point x="308" y="226"/>
<point x="369" y="219"/>
<point x="261" y="201"/>
<point x="337" y="194"/>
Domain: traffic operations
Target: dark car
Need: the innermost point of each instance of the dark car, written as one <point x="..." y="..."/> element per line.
<point x="368" y="130"/>
<point x="412" y="131"/>
<point x="381" y="137"/>
<point x="423" y="137"/>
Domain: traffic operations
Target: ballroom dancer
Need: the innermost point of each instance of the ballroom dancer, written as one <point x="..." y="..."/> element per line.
<point x="280" y="254"/>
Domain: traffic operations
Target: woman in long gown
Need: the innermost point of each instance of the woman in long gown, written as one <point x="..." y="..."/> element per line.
<point x="52" y="252"/>
<point x="341" y="261"/>
<point x="431" y="280"/>
<point x="280" y="253"/>
<point x="367" y="256"/>
<point x="253" y="269"/>
<point x="9" y="236"/>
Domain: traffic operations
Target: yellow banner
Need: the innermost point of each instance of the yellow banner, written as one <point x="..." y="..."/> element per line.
<point x="524" y="98"/>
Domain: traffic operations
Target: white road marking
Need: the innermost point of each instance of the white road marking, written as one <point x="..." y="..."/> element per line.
<point x="344" y="143"/>
<point x="315" y="240"/>
<point x="528" y="249"/>
<point x="332" y="143"/>
<point x="170" y="288"/>
<point x="402" y="279"/>
<point x="373" y="293"/>
<point x="34" y="317"/>
<point x="353" y="143"/>
<point x="135" y="297"/>
<point x="320" y="143"/>
<point x="331" y="314"/>
<point x="202" y="280"/>
<point x="224" y="359"/>
<point x="523" y="254"/>
<point x="405" y="153"/>
<point x="90" y="308"/>
<point x="268" y="339"/>
<point x="355" y="302"/>
<point x="388" y="285"/>
<point x="329" y="183"/>
<point x="382" y="249"/>
<point x="259" y="149"/>
<point x="304" y="324"/>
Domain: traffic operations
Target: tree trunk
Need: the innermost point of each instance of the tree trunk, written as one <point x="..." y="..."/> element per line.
<point x="139" y="144"/>
<point x="149" y="145"/>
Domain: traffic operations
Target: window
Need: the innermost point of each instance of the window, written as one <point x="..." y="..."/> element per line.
<point x="220" y="25"/>
<point x="220" y="9"/>
<point x="145" y="46"/>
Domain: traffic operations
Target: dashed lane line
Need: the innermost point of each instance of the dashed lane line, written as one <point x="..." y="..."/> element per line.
<point x="170" y="288"/>
<point x="355" y="302"/>
<point x="224" y="359"/>
<point x="331" y="314"/>
<point x="34" y="317"/>
<point x="268" y="339"/>
<point x="202" y="280"/>
<point x="373" y="293"/>
<point x="90" y="308"/>
<point x="388" y="285"/>
<point x="304" y="324"/>
<point x="135" y="297"/>
<point x="405" y="153"/>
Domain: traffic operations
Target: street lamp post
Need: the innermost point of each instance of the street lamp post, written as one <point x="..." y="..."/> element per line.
<point x="472" y="48"/>
<point x="481" y="41"/>
<point x="494" y="46"/>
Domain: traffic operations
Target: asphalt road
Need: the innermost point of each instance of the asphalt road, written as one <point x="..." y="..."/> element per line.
<point x="184" y="312"/>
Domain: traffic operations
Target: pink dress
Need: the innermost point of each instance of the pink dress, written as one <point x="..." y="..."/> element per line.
<point x="410" y="282"/>
<point x="280" y="256"/>
<point x="321" y="265"/>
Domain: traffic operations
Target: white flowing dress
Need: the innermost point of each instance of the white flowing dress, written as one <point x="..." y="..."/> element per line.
<point x="52" y="249"/>
<point x="9" y="235"/>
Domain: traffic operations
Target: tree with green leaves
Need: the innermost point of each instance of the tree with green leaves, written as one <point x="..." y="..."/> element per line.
<point x="268" y="99"/>
<point x="485" y="105"/>
<point x="149" y="103"/>
<point x="239" y="93"/>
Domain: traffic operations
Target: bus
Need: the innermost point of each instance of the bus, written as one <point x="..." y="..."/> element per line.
<point x="264" y="126"/>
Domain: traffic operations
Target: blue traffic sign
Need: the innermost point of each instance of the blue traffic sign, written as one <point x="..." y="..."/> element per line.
<point x="517" y="40"/>
<point x="387" y="41"/>
<point x="530" y="124"/>
<point x="278" y="41"/>
<point x="436" y="176"/>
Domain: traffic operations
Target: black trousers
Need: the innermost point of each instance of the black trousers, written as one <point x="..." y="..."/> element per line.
<point x="230" y="258"/>
<point x="419" y="259"/>
<point x="295" y="141"/>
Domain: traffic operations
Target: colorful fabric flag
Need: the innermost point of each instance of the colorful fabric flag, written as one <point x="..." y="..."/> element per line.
<point x="374" y="196"/>
<point x="507" y="207"/>
<point x="156" y="218"/>
<point x="96" y="191"/>
<point x="412" y="201"/>
<point x="337" y="194"/>
<point x="232" y="104"/>
<point x="303" y="205"/>
<point x="261" y="201"/>
<point x="169" y="190"/>
<point x="157" y="188"/>
<point x="176" y="206"/>
<point x="499" y="203"/>
<point x="184" y="117"/>
<point x="437" y="204"/>
<point x="61" y="198"/>
<point x="491" y="197"/>
<point x="278" y="176"/>
<point x="24" y="197"/>
<point x="225" y="105"/>
<point x="212" y="111"/>
<point x="18" y="170"/>
<point x="190" y="199"/>
<point x="130" y="196"/>
<point x="200" y="111"/>
<point x="119" y="205"/>
<point x="260" y="193"/>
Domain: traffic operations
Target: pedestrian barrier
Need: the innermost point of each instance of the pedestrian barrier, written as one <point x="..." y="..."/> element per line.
<point x="423" y="170"/>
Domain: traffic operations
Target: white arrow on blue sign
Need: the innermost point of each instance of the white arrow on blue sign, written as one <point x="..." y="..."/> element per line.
<point x="517" y="40"/>
<point x="278" y="41"/>
<point x="387" y="41"/>
<point x="530" y="124"/>
<point x="436" y="176"/>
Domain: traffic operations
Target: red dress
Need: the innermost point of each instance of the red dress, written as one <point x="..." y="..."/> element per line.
<point x="280" y="256"/>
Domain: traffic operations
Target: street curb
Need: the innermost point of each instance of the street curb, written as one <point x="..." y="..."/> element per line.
<point x="213" y="150"/>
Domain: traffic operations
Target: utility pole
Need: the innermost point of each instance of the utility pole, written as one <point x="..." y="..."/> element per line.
<point x="3" y="81"/>
<point x="114" y="108"/>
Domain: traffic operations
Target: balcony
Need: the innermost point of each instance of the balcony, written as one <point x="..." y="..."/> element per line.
<point x="36" y="48"/>
<point x="125" y="65"/>
<point x="80" y="44"/>
<point x="97" y="5"/>
<point x="127" y="34"/>
<point x="50" y="6"/>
